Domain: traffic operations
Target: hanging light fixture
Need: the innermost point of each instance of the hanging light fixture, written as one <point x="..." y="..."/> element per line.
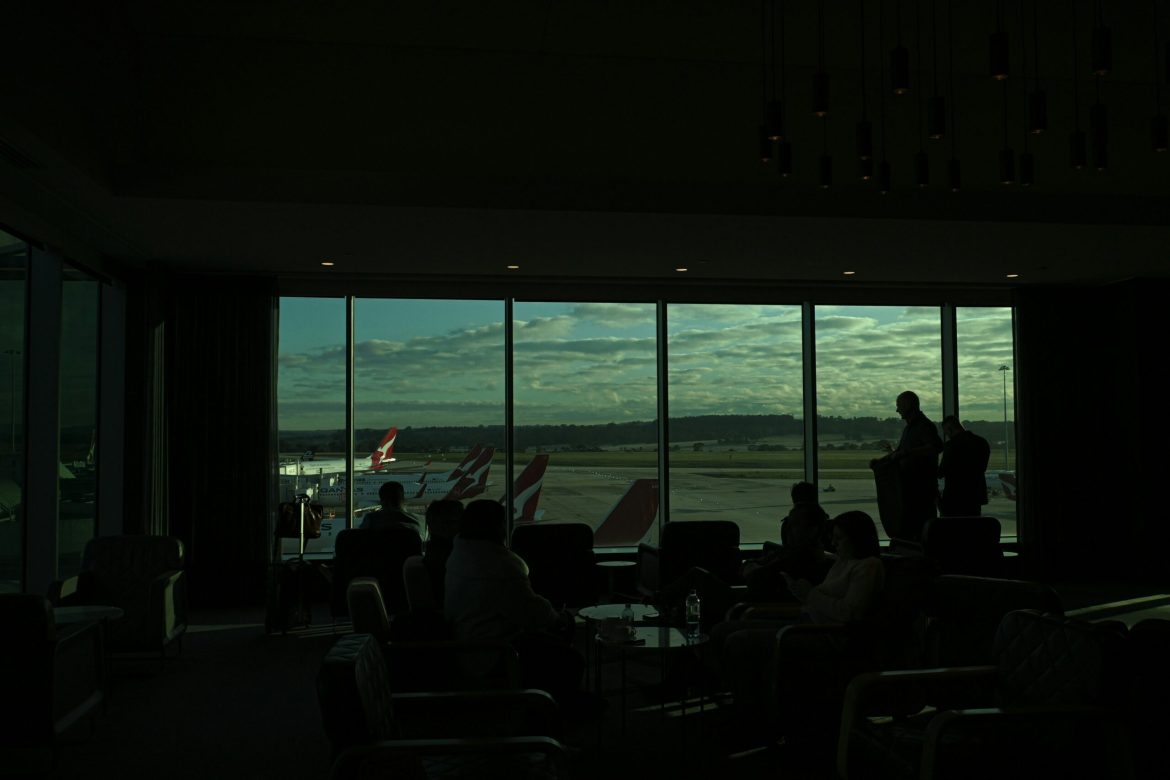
<point x="1007" y="157"/>
<point x="899" y="60"/>
<point x="936" y="107"/>
<point x="884" y="177"/>
<point x="1027" y="160"/>
<point x="766" y="139"/>
<point x="765" y="146"/>
<point x="864" y="127"/>
<point x="1158" y="131"/>
<point x="1078" y="155"/>
<point x="921" y="160"/>
<point x="774" y="113"/>
<point x="820" y="101"/>
<point x="997" y="46"/>
<point x="1102" y="51"/>
<point x="1037" y="98"/>
<point x="826" y="162"/>
<point x="1099" y="132"/>
<point x="784" y="147"/>
<point x="954" y="171"/>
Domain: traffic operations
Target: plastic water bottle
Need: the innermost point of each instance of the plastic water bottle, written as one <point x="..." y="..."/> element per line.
<point x="693" y="614"/>
<point x="628" y="615"/>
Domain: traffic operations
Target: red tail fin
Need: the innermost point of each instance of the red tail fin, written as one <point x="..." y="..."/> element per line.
<point x="526" y="491"/>
<point x="383" y="453"/>
<point x="633" y="515"/>
<point x="476" y="480"/>
<point x="468" y="463"/>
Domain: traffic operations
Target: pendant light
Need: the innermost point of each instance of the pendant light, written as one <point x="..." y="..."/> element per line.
<point x="1158" y="130"/>
<point x="765" y="133"/>
<point x="784" y="147"/>
<point x="1077" y="152"/>
<point x="820" y="101"/>
<point x="1037" y="98"/>
<point x="1099" y="131"/>
<point x="899" y="60"/>
<point x="1027" y="161"/>
<point x="921" y="160"/>
<point x="864" y="127"/>
<point x="1007" y="157"/>
<point x="884" y="175"/>
<point x="774" y="113"/>
<point x="1102" y="51"/>
<point x="936" y="107"/>
<point x="826" y="162"/>
<point x="954" y="171"/>
<point x="997" y="46"/>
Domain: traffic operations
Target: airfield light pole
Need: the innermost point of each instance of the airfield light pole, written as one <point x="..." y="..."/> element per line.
<point x="1004" y="369"/>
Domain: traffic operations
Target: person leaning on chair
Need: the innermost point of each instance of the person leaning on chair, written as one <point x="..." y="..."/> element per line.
<point x="964" y="461"/>
<point x="391" y="515"/>
<point x="916" y="457"/>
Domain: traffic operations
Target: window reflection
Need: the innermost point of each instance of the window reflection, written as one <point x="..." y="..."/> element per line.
<point x="987" y="400"/>
<point x="736" y="414"/>
<point x="77" y="473"/>
<point x="585" y="392"/>
<point x="866" y="356"/>
<point x="13" y="292"/>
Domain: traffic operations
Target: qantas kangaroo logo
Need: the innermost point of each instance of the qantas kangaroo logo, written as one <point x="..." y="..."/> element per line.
<point x="382" y="454"/>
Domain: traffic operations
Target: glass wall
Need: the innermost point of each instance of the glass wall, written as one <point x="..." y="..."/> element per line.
<point x="428" y="400"/>
<point x="866" y="356"/>
<point x="736" y="414"/>
<point x="13" y="297"/>
<point x="77" y="473"/>
<point x="585" y="394"/>
<point x="430" y="405"/>
<point x="310" y="405"/>
<point x="987" y="402"/>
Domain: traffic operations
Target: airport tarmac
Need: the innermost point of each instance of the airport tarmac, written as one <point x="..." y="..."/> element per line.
<point x="575" y="494"/>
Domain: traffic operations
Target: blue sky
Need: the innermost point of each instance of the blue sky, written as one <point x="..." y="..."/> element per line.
<point x="435" y="362"/>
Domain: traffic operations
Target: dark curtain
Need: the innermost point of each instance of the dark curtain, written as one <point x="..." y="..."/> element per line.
<point x="220" y="376"/>
<point x="1093" y="466"/>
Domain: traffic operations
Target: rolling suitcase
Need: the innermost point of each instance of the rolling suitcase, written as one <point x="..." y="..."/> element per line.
<point x="288" y="585"/>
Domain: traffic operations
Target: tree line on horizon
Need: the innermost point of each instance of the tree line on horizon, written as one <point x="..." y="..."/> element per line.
<point x="738" y="429"/>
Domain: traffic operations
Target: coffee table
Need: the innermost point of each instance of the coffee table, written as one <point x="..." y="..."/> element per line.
<point x="662" y="639"/>
<point x="595" y="614"/>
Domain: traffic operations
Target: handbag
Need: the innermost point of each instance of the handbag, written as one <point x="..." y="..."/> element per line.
<point x="288" y="520"/>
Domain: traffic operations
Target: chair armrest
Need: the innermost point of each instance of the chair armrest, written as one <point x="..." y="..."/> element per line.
<point x="168" y="604"/>
<point x="649" y="567"/>
<point x="897" y="693"/>
<point x="389" y="758"/>
<point x="1092" y="741"/>
<point x="415" y="654"/>
<point x="765" y="610"/>
<point x="79" y="679"/>
<point x="487" y="713"/>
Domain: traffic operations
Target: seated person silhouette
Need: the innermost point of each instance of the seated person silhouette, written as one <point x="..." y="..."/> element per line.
<point x="489" y="598"/>
<point x="443" y="516"/>
<point x="391" y="514"/>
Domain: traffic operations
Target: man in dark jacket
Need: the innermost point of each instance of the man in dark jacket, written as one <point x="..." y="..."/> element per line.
<point x="916" y="461"/>
<point x="964" y="461"/>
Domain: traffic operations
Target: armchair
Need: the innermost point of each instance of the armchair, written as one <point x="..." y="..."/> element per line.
<point x="143" y="575"/>
<point x="710" y="544"/>
<point x="1044" y="708"/>
<point x="53" y="678"/>
<point x="469" y="733"/>
<point x="561" y="566"/>
<point x="373" y="552"/>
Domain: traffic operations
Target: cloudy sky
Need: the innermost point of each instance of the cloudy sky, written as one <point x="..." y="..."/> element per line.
<point x="432" y="362"/>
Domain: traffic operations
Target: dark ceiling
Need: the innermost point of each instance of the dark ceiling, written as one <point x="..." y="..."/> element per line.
<point x="576" y="139"/>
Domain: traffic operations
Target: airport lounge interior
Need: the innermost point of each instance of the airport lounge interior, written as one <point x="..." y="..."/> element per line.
<point x="810" y="344"/>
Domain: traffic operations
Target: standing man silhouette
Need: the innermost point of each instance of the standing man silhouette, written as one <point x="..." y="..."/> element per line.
<point x="964" y="461"/>
<point x="916" y="458"/>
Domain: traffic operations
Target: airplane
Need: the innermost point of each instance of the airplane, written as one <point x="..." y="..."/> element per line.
<point x="463" y="482"/>
<point x="381" y="455"/>
<point x="631" y="517"/>
<point x="526" y="491"/>
<point x="1001" y="482"/>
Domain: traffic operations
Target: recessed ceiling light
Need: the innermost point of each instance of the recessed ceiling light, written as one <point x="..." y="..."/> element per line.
<point x="513" y="268"/>
<point x="848" y="273"/>
<point x="681" y="270"/>
<point x="327" y="263"/>
<point x="1013" y="276"/>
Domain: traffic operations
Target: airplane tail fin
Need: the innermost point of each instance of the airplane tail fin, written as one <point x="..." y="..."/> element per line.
<point x="1008" y="480"/>
<point x="383" y="453"/>
<point x="475" y="482"/>
<point x="526" y="491"/>
<point x="631" y="517"/>
<point x="469" y="462"/>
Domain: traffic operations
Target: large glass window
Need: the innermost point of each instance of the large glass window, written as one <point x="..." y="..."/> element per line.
<point x="13" y="295"/>
<point x="736" y="414"/>
<point x="585" y="395"/>
<point x="428" y="400"/>
<point x="987" y="401"/>
<point x="77" y="473"/>
<point x="311" y="405"/>
<point x="866" y="356"/>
